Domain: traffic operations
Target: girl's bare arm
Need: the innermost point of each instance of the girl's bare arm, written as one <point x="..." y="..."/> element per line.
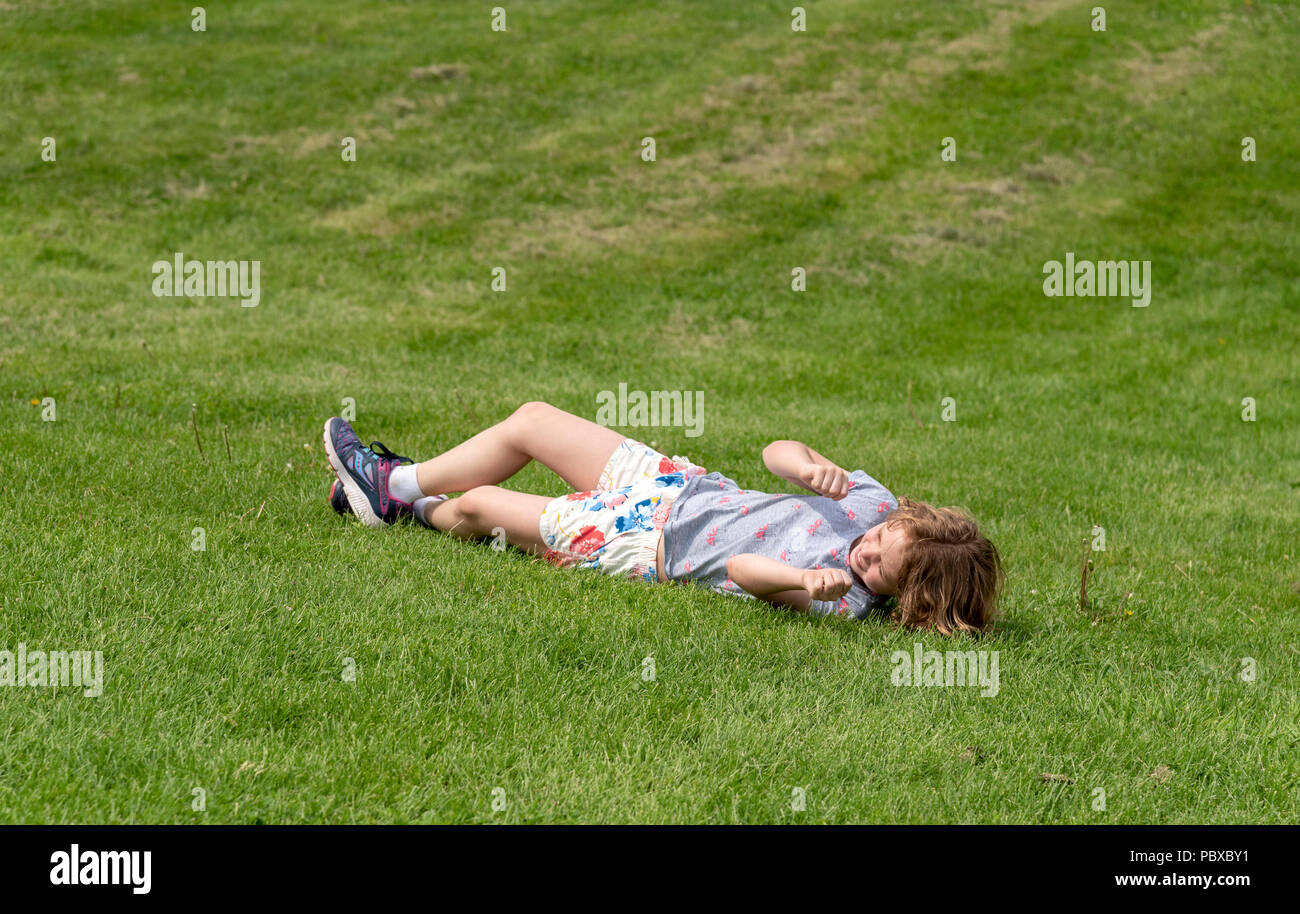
<point x="782" y="584"/>
<point x="796" y="462"/>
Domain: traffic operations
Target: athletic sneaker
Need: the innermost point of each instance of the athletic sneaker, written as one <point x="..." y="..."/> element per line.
<point x="338" y="500"/>
<point x="363" y="473"/>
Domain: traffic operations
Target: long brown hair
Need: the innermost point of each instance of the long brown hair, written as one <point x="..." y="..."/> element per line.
<point x="951" y="575"/>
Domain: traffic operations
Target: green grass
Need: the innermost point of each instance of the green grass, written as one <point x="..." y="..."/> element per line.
<point x="479" y="670"/>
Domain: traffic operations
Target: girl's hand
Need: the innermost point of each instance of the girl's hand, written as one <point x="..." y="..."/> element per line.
<point x="826" y="583"/>
<point x="825" y="479"/>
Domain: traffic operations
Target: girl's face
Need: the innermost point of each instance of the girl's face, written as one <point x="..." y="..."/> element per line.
<point x="877" y="557"/>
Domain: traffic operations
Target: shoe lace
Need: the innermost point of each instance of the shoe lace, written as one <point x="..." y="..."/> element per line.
<point x="381" y="450"/>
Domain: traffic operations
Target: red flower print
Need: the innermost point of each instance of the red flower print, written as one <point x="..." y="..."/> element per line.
<point x="578" y="496"/>
<point x="713" y="535"/>
<point x="761" y="531"/>
<point x="744" y="509"/>
<point x="661" y="516"/>
<point x="615" y="501"/>
<point x="688" y="566"/>
<point x="783" y="555"/>
<point x="561" y="559"/>
<point x="852" y="516"/>
<point x="588" y="540"/>
<point x="729" y="583"/>
<point x="798" y="506"/>
<point x="835" y="553"/>
<point x="882" y="508"/>
<point x="812" y="528"/>
<point x="818" y="566"/>
<point x="666" y="466"/>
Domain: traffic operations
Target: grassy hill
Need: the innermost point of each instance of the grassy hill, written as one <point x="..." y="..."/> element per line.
<point x="485" y="678"/>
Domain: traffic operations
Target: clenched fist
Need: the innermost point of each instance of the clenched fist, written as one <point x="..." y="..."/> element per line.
<point x="826" y="583"/>
<point x="825" y="479"/>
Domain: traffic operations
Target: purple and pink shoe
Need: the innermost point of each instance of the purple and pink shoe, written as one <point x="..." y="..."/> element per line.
<point x="338" y="500"/>
<point x="363" y="475"/>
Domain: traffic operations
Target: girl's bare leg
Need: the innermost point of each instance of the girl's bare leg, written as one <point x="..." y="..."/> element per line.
<point x="574" y="448"/>
<point x="484" y="508"/>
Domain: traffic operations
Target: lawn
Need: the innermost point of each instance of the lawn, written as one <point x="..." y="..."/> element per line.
<point x="302" y="668"/>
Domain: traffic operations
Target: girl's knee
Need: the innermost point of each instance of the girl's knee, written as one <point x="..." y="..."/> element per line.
<point x="476" y="502"/>
<point x="534" y="411"/>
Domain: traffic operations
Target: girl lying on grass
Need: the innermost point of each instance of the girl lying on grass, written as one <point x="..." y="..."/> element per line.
<point x="848" y="549"/>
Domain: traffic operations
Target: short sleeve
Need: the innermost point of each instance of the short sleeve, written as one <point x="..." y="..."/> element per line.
<point x="868" y="499"/>
<point x="876" y="606"/>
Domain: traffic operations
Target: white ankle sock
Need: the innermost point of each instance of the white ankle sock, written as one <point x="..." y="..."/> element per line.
<point x="402" y="484"/>
<point x="421" y="503"/>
